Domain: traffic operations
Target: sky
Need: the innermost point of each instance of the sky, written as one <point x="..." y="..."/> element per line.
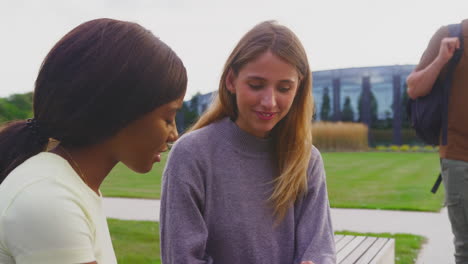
<point x="335" y="33"/>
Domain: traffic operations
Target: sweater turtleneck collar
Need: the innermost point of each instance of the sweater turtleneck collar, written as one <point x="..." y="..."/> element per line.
<point x="244" y="141"/>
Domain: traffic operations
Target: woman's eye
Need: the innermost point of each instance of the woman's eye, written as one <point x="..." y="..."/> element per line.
<point x="255" y="86"/>
<point x="284" y="89"/>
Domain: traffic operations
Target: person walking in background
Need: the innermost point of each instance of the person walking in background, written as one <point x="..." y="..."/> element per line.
<point x="246" y="185"/>
<point x="454" y="155"/>
<point x="108" y="92"/>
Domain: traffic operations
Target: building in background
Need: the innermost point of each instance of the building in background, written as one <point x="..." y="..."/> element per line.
<point x="375" y="96"/>
<point x="351" y="82"/>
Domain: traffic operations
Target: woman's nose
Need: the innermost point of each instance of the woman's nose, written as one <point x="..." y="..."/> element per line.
<point x="173" y="135"/>
<point x="269" y="98"/>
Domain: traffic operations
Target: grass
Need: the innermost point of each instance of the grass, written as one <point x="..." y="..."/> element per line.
<point x="137" y="242"/>
<point x="123" y="182"/>
<point x="406" y="246"/>
<point x="383" y="180"/>
<point x="374" y="180"/>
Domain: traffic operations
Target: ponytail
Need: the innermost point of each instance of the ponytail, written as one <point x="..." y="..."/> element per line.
<point x="19" y="140"/>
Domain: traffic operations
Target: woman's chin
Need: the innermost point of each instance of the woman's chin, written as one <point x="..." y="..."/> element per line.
<point x="142" y="168"/>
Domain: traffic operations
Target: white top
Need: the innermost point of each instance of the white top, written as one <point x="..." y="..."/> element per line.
<point x="49" y="215"/>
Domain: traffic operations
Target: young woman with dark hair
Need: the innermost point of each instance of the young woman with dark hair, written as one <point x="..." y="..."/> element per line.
<point x="108" y="92"/>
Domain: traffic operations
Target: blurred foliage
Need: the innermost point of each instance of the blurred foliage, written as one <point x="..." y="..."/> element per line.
<point x="407" y="148"/>
<point x="325" y="112"/>
<point x="347" y="115"/>
<point x="385" y="137"/>
<point x="16" y="106"/>
<point x="373" y="109"/>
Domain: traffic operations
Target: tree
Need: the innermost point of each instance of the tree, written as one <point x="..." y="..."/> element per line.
<point x="194" y="103"/>
<point x="347" y="115"/>
<point x="188" y="115"/>
<point x="325" y="112"/>
<point x="405" y="122"/>
<point x="314" y="115"/>
<point x="373" y="108"/>
<point x="388" y="122"/>
<point x="22" y="101"/>
<point x="16" y="106"/>
<point x="185" y="117"/>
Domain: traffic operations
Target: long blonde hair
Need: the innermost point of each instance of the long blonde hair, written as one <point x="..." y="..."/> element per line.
<point x="292" y="136"/>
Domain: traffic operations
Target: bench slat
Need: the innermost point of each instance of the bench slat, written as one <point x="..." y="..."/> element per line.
<point x="360" y="250"/>
<point x="386" y="254"/>
<point x="343" y="242"/>
<point x="369" y="255"/>
<point x="350" y="247"/>
<point x="338" y="238"/>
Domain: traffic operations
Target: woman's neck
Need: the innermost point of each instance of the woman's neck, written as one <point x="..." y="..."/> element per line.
<point x="92" y="164"/>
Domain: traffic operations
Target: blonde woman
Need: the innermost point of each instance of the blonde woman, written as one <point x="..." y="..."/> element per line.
<point x="245" y="185"/>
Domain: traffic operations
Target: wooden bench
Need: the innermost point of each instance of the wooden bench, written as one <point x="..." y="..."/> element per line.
<point x="364" y="250"/>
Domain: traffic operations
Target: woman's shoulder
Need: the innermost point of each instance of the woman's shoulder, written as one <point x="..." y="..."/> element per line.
<point x="33" y="171"/>
<point x="39" y="201"/>
<point x="43" y="180"/>
<point x="198" y="139"/>
<point x="43" y="207"/>
<point x="316" y="170"/>
<point x="315" y="156"/>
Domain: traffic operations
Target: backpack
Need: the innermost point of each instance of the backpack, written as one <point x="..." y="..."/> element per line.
<point x="429" y="114"/>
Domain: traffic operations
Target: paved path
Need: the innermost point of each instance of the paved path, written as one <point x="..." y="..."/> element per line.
<point x="434" y="226"/>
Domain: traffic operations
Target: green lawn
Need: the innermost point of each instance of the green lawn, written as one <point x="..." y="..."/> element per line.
<point x="406" y="246"/>
<point x="383" y="180"/>
<point x="123" y="182"/>
<point x="137" y="242"/>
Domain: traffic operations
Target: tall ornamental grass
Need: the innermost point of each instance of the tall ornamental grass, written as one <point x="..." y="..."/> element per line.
<point x="340" y="136"/>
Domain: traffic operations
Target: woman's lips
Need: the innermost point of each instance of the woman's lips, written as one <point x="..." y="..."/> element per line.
<point x="265" y="115"/>
<point x="157" y="157"/>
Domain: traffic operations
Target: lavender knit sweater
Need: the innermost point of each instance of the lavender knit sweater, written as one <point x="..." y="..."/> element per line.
<point x="214" y="204"/>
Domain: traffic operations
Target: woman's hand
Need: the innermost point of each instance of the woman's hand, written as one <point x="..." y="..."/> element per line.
<point x="447" y="48"/>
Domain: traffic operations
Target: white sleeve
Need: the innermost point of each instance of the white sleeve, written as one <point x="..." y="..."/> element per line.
<point x="51" y="227"/>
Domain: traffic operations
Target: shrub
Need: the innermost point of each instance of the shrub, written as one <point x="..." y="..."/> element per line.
<point x="429" y="148"/>
<point x="381" y="148"/>
<point x="415" y="148"/>
<point x="394" y="148"/>
<point x="404" y="148"/>
<point x="385" y="137"/>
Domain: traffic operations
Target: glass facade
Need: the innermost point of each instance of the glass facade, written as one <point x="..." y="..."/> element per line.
<point x="379" y="87"/>
<point x="344" y="83"/>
